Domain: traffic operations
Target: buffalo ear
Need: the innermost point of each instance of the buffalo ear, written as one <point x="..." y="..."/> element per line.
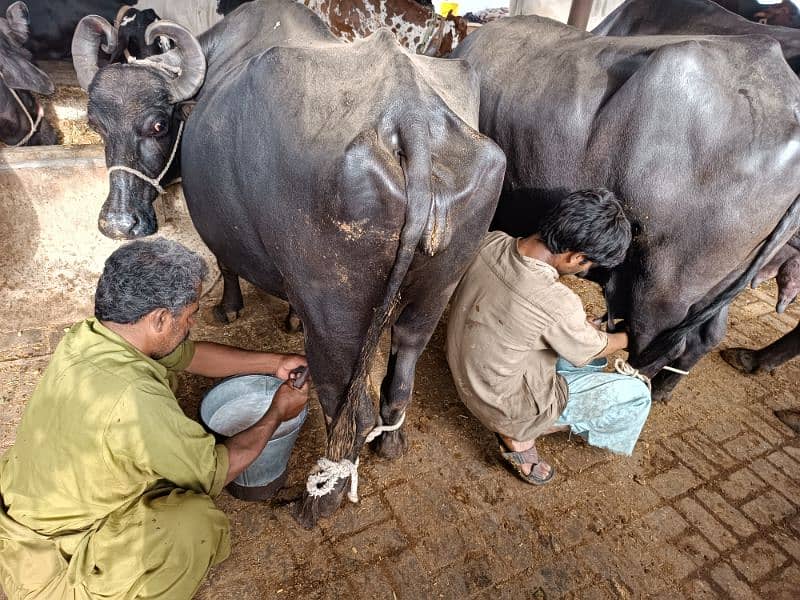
<point x="21" y="74"/>
<point x="18" y="22"/>
<point x="185" y="109"/>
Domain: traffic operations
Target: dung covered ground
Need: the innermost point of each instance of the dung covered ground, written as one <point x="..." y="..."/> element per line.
<point x="706" y="507"/>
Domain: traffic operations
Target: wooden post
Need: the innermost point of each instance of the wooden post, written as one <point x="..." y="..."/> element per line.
<point x="579" y="13"/>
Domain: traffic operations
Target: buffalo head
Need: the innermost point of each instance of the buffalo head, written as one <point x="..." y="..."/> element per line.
<point x="133" y="108"/>
<point x="131" y="25"/>
<point x="21" y="121"/>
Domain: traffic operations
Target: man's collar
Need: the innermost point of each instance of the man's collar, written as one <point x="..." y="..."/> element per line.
<point x="97" y="327"/>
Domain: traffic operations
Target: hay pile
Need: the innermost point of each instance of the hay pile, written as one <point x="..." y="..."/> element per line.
<point x="66" y="111"/>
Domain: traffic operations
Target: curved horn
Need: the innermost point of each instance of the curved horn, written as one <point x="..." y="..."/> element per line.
<point x="92" y="34"/>
<point x="120" y="15"/>
<point x="192" y="60"/>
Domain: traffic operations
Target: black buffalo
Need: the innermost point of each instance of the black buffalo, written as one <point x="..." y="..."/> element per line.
<point x="669" y="17"/>
<point x="698" y="135"/>
<point x="54" y="21"/>
<point x="692" y="17"/>
<point x="21" y="116"/>
<point x="347" y="178"/>
<point x="783" y="13"/>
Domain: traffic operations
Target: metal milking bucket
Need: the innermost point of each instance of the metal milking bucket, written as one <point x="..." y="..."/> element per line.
<point x="237" y="403"/>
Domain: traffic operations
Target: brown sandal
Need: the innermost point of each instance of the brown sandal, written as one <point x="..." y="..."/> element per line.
<point x="517" y="459"/>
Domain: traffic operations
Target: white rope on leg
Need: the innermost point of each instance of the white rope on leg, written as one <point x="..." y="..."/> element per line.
<point x="381" y="428"/>
<point x="623" y="368"/>
<point x="327" y="473"/>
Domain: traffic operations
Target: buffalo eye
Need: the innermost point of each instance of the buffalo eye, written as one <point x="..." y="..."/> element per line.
<point x="159" y="127"/>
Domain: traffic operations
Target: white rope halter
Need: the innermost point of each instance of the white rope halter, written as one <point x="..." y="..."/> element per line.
<point x="34" y="123"/>
<point x="155" y="182"/>
<point x="327" y="473"/>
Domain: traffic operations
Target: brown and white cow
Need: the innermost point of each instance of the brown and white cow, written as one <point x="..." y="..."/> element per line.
<point x="415" y="26"/>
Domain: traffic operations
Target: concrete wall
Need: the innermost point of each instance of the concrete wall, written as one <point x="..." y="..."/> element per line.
<point x="51" y="252"/>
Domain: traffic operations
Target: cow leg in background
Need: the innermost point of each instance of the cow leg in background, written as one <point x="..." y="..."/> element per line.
<point x="766" y="359"/>
<point x="697" y="345"/>
<point x="232" y="303"/>
<point x="293" y="323"/>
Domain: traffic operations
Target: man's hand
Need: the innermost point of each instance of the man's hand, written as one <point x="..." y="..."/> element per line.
<point x="245" y="446"/>
<point x="288" y="363"/>
<point x="288" y="402"/>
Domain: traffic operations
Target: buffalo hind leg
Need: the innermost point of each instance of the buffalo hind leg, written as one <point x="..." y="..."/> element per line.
<point x="698" y="343"/>
<point x="768" y="358"/>
<point x="410" y="334"/>
<point x="232" y="303"/>
<point x="331" y="362"/>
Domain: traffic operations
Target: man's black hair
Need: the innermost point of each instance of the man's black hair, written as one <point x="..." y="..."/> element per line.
<point x="591" y="222"/>
<point x="143" y="276"/>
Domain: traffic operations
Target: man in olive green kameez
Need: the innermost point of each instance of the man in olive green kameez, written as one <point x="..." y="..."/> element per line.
<point x="107" y="492"/>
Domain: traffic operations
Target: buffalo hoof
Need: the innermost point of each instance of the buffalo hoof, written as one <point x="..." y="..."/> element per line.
<point x="790" y="418"/>
<point x="740" y="358"/>
<point x="391" y="444"/>
<point x="311" y="509"/>
<point x="663" y="384"/>
<point x="661" y="395"/>
<point x="224" y="315"/>
<point x="293" y="323"/>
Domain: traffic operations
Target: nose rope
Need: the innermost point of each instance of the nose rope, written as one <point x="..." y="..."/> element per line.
<point x="327" y="473"/>
<point x="33" y="123"/>
<point x="155" y="182"/>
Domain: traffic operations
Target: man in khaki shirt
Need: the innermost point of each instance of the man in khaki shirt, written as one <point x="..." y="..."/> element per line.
<point x="107" y="491"/>
<point x="517" y="337"/>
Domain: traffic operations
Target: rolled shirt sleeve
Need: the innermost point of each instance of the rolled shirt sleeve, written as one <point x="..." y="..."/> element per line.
<point x="148" y="438"/>
<point x="573" y="337"/>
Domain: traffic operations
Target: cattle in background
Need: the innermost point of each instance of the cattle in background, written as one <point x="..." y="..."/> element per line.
<point x="693" y="17"/>
<point x="783" y="13"/>
<point x="416" y="27"/>
<point x="699" y="137"/>
<point x="54" y="21"/>
<point x="346" y="178"/>
<point x="21" y="116"/>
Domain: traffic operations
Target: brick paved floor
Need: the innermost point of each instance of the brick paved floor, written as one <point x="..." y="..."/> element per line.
<point x="707" y="506"/>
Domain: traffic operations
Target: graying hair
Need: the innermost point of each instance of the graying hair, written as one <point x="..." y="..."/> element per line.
<point x="146" y="275"/>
